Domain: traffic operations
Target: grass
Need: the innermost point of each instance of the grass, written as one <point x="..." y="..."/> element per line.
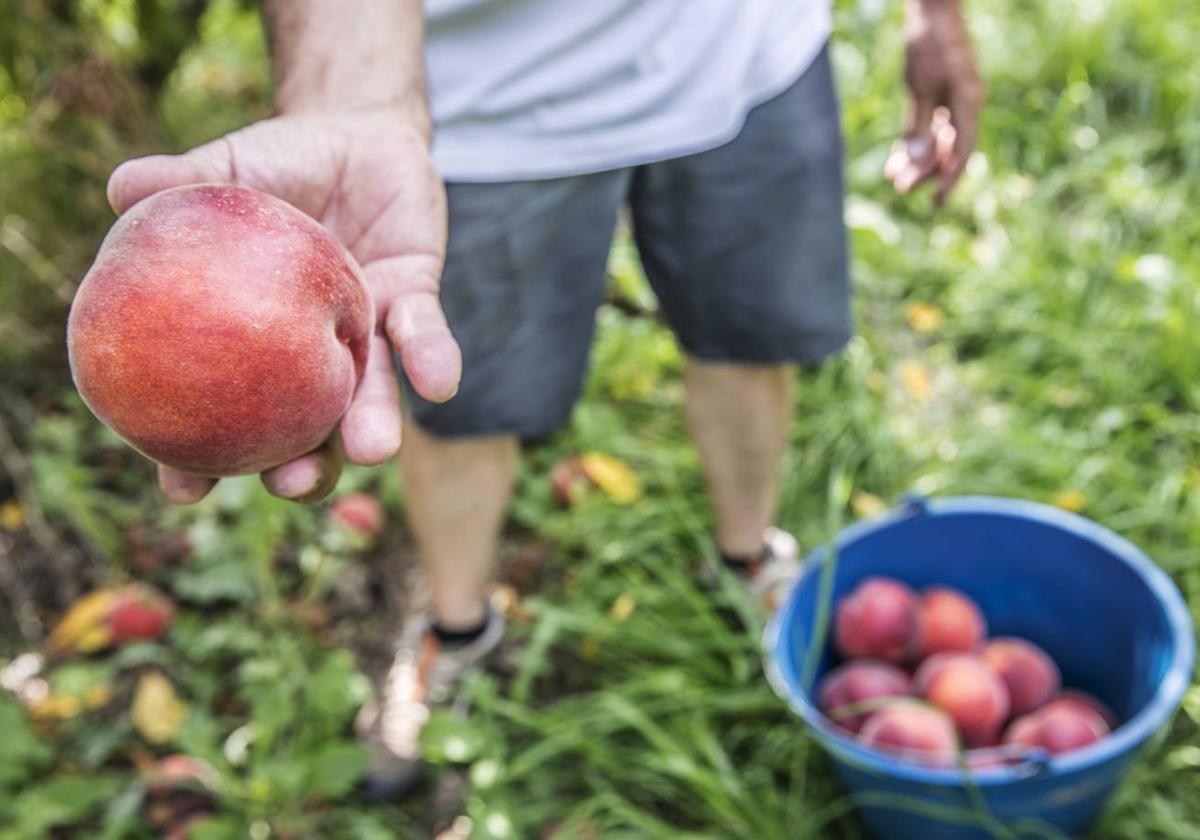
<point x="1036" y="338"/>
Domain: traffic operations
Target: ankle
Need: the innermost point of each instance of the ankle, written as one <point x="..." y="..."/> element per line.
<point x="461" y="632"/>
<point x="744" y="563"/>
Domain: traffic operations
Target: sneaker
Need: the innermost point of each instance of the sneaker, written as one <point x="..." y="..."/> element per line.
<point x="422" y="676"/>
<point x="769" y="576"/>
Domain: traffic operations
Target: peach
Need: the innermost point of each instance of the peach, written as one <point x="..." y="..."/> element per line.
<point x="568" y="481"/>
<point x="859" y="682"/>
<point x="1072" y="697"/>
<point x="985" y="759"/>
<point x="912" y="730"/>
<point x="1028" y="671"/>
<point x="878" y="619"/>
<point x="949" y="620"/>
<point x="139" y="612"/>
<point x="358" y="512"/>
<point x="967" y="689"/>
<point x="220" y="331"/>
<point x="1058" y="727"/>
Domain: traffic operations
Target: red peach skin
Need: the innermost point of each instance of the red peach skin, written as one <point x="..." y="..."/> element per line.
<point x="949" y="620"/>
<point x="220" y="331"/>
<point x="968" y="690"/>
<point x="912" y="730"/>
<point x="859" y="682"/>
<point x="1058" y="727"/>
<point x="878" y="619"/>
<point x="1028" y="671"/>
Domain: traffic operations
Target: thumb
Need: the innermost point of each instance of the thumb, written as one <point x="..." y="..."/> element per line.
<point x="136" y="179"/>
<point x="140" y="177"/>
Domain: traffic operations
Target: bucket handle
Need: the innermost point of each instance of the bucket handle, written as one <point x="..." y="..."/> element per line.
<point x="1029" y="763"/>
<point x="915" y="504"/>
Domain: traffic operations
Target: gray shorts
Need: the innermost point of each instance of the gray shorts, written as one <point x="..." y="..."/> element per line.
<point x="744" y="246"/>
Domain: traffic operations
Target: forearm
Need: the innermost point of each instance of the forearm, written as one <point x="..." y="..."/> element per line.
<point x="348" y="55"/>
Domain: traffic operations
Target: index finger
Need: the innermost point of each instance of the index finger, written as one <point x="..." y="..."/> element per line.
<point x="415" y="323"/>
<point x="964" y="117"/>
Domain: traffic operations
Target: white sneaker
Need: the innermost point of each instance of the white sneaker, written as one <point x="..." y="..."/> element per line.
<point x="771" y="577"/>
<point x="423" y="676"/>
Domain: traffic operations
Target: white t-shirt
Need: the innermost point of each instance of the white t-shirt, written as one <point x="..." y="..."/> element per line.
<point x="526" y="89"/>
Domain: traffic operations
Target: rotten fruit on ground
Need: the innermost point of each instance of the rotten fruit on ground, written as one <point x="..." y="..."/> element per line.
<point x="1028" y="671"/>
<point x="134" y="612"/>
<point x="568" y="481"/>
<point x="358" y="512"/>
<point x="878" y="619"/>
<point x="860" y="682"/>
<point x="949" y="620"/>
<point x="220" y="330"/>
<point x="912" y="730"/>
<point x="969" y="691"/>
<point x="179" y="791"/>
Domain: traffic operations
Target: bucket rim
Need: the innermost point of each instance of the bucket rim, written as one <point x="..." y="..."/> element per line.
<point x="782" y="671"/>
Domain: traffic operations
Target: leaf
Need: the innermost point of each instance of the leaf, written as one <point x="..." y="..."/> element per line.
<point x="56" y="707"/>
<point x="623" y="606"/>
<point x="866" y="505"/>
<point x="157" y="711"/>
<point x="335" y="770"/>
<point x="924" y="317"/>
<point x="1069" y="499"/>
<point x="449" y="739"/>
<point x="82" y="628"/>
<point x="58" y="802"/>
<point x="217" y="828"/>
<point x="612" y="476"/>
<point x="916" y="380"/>
<point x="21" y="751"/>
<point x="12" y="517"/>
<point x="225" y="580"/>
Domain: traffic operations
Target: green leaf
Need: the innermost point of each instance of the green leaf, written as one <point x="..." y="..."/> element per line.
<point x="59" y="802"/>
<point x="21" y="751"/>
<point x="223" y="580"/>
<point x="449" y="739"/>
<point x="217" y="828"/>
<point x="335" y="770"/>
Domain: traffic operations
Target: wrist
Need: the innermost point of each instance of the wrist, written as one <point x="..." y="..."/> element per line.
<point x="411" y="109"/>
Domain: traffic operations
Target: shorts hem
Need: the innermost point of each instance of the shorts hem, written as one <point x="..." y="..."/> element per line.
<point x="808" y="356"/>
<point x="525" y="432"/>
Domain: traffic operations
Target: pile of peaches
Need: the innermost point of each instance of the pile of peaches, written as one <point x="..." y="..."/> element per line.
<point x="921" y="677"/>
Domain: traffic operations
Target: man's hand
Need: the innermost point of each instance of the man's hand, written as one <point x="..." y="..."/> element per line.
<point x="942" y="123"/>
<point x="367" y="177"/>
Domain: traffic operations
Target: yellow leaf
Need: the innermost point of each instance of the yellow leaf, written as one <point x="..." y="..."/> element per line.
<point x="56" y="707"/>
<point x="157" y="711"/>
<point x="924" y="317"/>
<point x="876" y="381"/>
<point x="1070" y="499"/>
<point x="915" y="379"/>
<point x="866" y="504"/>
<point x="12" y="518"/>
<point x="613" y="477"/>
<point x="507" y="600"/>
<point x="85" y="616"/>
<point x="94" y="639"/>
<point x="623" y="607"/>
<point x="97" y="696"/>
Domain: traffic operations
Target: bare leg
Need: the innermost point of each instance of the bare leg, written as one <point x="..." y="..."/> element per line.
<point x="456" y="492"/>
<point x="739" y="416"/>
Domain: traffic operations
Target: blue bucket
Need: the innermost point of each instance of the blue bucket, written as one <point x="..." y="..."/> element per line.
<point x="1113" y="621"/>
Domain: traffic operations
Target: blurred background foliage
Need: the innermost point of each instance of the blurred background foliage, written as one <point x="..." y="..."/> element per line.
<point x="1039" y="337"/>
